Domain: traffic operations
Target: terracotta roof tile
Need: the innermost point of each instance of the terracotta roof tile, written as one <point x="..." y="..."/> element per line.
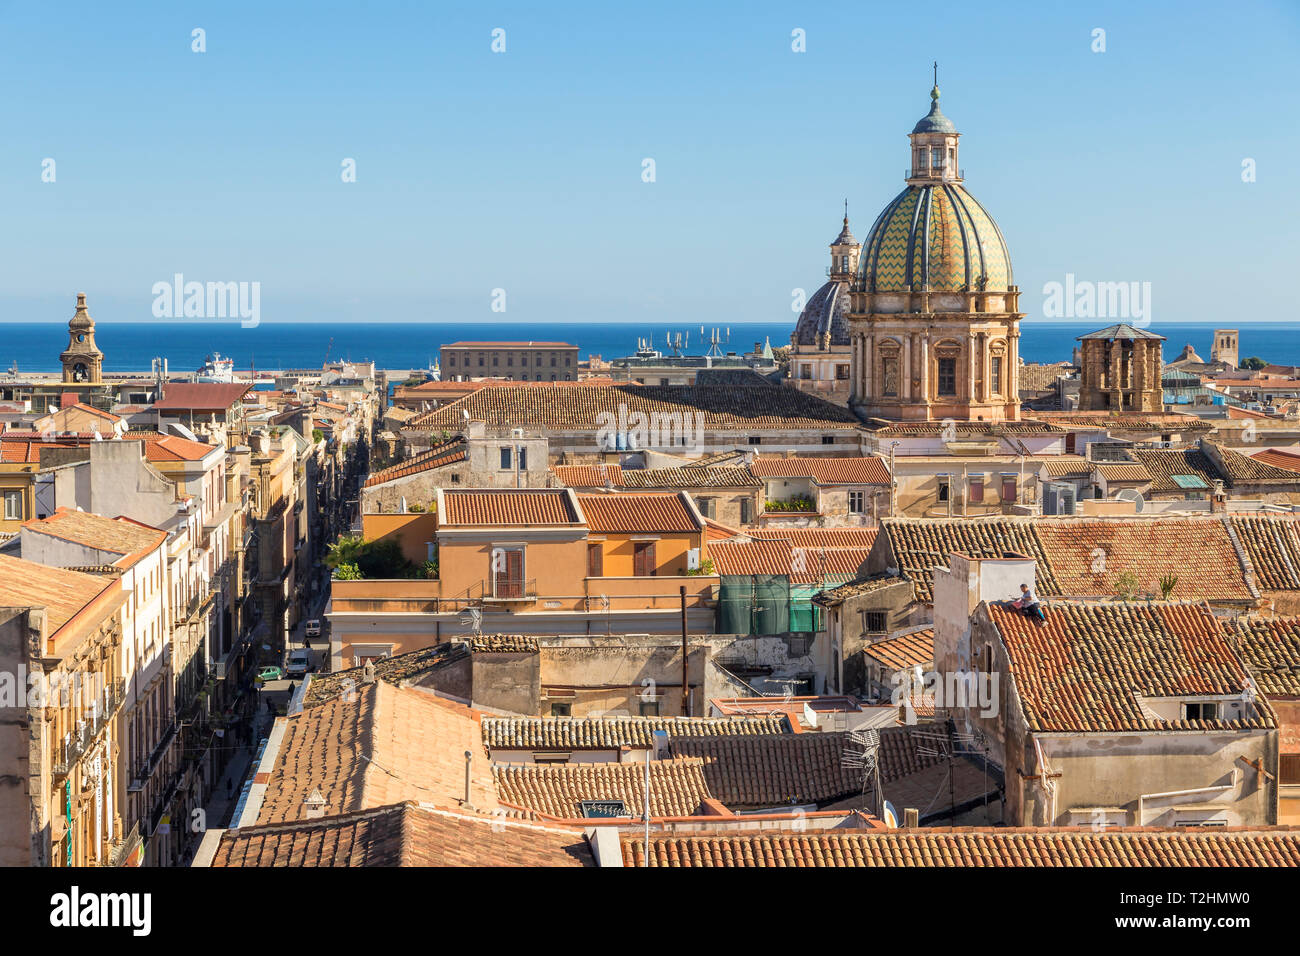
<point x="1243" y="469"/>
<point x="446" y="453"/>
<point x="821" y="537"/>
<point x="377" y="745"/>
<point x="1271" y="652"/>
<point x="62" y="593"/>
<point x="690" y="476"/>
<point x="394" y="670"/>
<point x="1122" y="471"/>
<point x="1087" y="556"/>
<point x="1272" y="545"/>
<point x="1286" y="460"/>
<point x="825" y="471"/>
<point x="403" y="834"/>
<point x="588" y="476"/>
<point x="201" y="396"/>
<point x="677" y="787"/>
<point x="780" y="557"/>
<point x="921" y="544"/>
<point x="128" y="539"/>
<point x="772" y="771"/>
<point x="606" y="733"/>
<point x="504" y="644"/>
<point x="1088" y="667"/>
<point x="583" y="407"/>
<point x="1264" y="846"/>
<point x="638" y="512"/>
<point x="906" y="650"/>
<point x="540" y="507"/>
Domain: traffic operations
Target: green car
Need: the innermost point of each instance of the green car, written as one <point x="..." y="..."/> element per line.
<point x="270" y="672"/>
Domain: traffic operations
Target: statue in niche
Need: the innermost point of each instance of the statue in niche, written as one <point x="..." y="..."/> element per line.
<point x="890" y="364"/>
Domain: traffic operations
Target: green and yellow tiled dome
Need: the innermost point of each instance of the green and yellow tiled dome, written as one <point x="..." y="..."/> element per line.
<point x="934" y="237"/>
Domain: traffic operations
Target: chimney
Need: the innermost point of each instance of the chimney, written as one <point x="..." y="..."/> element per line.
<point x="368" y="672"/>
<point x="911" y="818"/>
<point x="661" y="744"/>
<point x="315" y="805"/>
<point x="467" y="803"/>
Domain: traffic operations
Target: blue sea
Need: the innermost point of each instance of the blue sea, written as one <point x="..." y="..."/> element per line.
<point x="130" y="346"/>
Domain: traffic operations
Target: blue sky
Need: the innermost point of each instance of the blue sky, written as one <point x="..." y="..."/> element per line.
<point x="522" y="170"/>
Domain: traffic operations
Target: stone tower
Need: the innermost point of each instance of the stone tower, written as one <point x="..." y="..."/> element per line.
<point x="83" y="362"/>
<point x="1121" y="368"/>
<point x="1224" y="348"/>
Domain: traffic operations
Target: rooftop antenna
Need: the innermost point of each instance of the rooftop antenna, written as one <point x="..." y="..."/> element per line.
<point x="865" y="758"/>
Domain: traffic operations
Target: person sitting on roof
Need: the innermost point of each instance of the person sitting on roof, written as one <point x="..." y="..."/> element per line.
<point x="1028" y="604"/>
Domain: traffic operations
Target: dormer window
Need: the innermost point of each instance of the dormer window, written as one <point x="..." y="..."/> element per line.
<point x="1201" y="711"/>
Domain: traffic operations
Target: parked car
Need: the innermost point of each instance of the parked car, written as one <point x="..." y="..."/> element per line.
<point x="270" y="672"/>
<point x="313" y="629"/>
<point x="299" y="663"/>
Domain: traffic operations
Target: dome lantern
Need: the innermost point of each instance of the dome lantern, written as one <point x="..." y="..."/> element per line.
<point x="934" y="144"/>
<point x="844" y="252"/>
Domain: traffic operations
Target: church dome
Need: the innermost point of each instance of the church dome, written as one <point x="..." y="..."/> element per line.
<point x="823" y="313"/>
<point x="934" y="237"/>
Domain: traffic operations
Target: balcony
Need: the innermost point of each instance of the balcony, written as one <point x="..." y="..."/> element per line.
<point x="502" y="589"/>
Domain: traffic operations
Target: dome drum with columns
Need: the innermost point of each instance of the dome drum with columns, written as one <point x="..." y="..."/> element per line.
<point x="933" y="318"/>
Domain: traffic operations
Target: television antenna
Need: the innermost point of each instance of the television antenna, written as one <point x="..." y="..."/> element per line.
<point x="866" y="757"/>
<point x="949" y="746"/>
<point x="1133" y="495"/>
<point x="472" y="618"/>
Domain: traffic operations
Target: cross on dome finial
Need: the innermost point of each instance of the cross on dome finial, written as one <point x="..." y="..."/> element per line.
<point x="934" y="93"/>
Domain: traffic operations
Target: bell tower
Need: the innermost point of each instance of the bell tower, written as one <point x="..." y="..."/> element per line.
<point x="83" y="362"/>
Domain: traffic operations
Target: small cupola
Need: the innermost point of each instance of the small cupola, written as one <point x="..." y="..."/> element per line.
<point x="934" y="144"/>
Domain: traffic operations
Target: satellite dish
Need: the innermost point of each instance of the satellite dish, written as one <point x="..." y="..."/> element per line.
<point x="1131" y="494"/>
<point x="891" y="816"/>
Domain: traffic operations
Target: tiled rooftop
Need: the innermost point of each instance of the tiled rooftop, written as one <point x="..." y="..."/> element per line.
<point x="1278" y="458"/>
<point x="540" y="507"/>
<point x="623" y="512"/>
<point x="1243" y="469"/>
<point x="883" y="428"/>
<point x="677" y="787"/>
<point x="773" y="771"/>
<point x="921" y="544"/>
<point x="1081" y="556"/>
<point x="820" y="537"/>
<point x="836" y="595"/>
<point x="824" y="471"/>
<point x="403" y="834"/>
<point x="1123" y="471"/>
<point x="376" y="746"/>
<point x="62" y="593"/>
<point x="121" y="536"/>
<point x="1085" y="670"/>
<point x="1271" y="652"/>
<point x="779" y="557"/>
<point x="1265" y="846"/>
<point x="446" y="453"/>
<point x="607" y="733"/>
<point x="1272" y="545"/>
<point x="690" y="476"/>
<point x="201" y="396"/>
<point x="589" y="476"/>
<point x="582" y="407"/>
<point x="504" y="644"/>
<point x="394" y="670"/>
<point x="906" y="650"/>
<point x="1087" y="556"/>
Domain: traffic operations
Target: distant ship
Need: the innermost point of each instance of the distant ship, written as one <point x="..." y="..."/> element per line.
<point x="216" y="369"/>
